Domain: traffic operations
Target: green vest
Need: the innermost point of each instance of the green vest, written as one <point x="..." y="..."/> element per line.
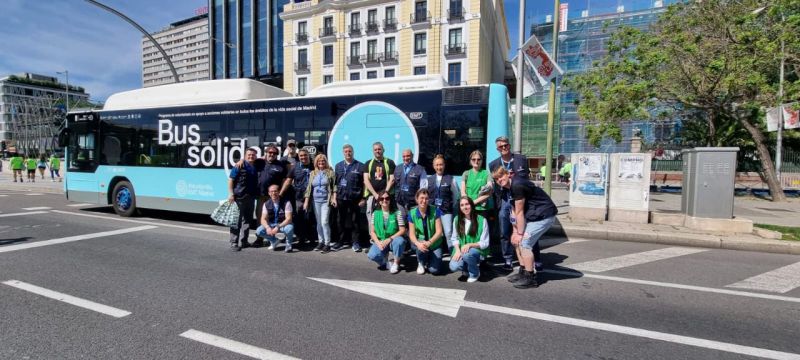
<point x="55" y="163"/>
<point x="31" y="164"/>
<point x="16" y="163"/>
<point x="382" y="230"/>
<point x="471" y="239"/>
<point x="473" y="182"/>
<point x="418" y="226"/>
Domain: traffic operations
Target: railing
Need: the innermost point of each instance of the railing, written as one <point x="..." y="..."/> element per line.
<point x="420" y="16"/>
<point x="354" y="29"/>
<point x="301" y="37"/>
<point x="389" y="56"/>
<point x="354" y="60"/>
<point x="390" y="24"/>
<point x="455" y="14"/>
<point x="327" y="31"/>
<point x="372" y="26"/>
<point x="371" y="58"/>
<point x="455" y="49"/>
<point x="301" y="66"/>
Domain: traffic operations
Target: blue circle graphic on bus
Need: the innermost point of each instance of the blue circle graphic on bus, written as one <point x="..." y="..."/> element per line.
<point x="368" y="122"/>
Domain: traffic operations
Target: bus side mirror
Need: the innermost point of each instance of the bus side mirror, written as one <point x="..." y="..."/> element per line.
<point x="63" y="137"/>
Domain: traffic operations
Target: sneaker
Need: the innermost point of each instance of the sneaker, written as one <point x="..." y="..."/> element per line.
<point x="245" y="245"/>
<point x="287" y="249"/>
<point x="382" y="267"/>
<point x="319" y="247"/>
<point x="526" y="280"/>
<point x="420" y="269"/>
<point x="395" y="268"/>
<point x="472" y="279"/>
<point x="272" y="247"/>
<point x="259" y="243"/>
<point x="326" y="249"/>
<point x="235" y="248"/>
<point x="336" y="247"/>
<point x="508" y="266"/>
<point x="356" y="248"/>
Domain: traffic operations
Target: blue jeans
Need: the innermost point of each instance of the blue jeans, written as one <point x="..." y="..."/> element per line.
<point x="533" y="231"/>
<point x="287" y="230"/>
<point x="447" y="229"/>
<point x="472" y="260"/>
<point x="504" y="218"/>
<point x="322" y="212"/>
<point x="397" y="246"/>
<point x="432" y="260"/>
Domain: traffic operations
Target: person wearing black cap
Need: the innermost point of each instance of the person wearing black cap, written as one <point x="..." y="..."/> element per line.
<point x="290" y="154"/>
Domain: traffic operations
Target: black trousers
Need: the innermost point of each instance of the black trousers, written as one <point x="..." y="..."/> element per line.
<point x="347" y="212"/>
<point x="245" y="221"/>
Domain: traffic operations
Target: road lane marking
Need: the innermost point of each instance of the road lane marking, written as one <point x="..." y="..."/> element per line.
<point x="235" y="346"/>
<point x="34" y="194"/>
<point x="74" y="238"/>
<point x="676" y="286"/>
<point x="69" y="299"/>
<point x="781" y="280"/>
<point x="618" y="262"/>
<point x="648" y="334"/>
<point x="3" y="195"/>
<point x="23" y="213"/>
<point x="37" y="208"/>
<point x="79" y="205"/>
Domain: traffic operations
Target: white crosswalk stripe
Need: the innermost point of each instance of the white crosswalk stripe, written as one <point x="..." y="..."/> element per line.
<point x="79" y="205"/>
<point x="781" y="280"/>
<point x="618" y="262"/>
<point x="37" y="208"/>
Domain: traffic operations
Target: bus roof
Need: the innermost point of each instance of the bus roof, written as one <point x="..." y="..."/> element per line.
<point x="193" y="93"/>
<point x="384" y="85"/>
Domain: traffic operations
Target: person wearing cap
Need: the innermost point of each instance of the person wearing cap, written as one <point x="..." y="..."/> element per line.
<point x="290" y="154"/>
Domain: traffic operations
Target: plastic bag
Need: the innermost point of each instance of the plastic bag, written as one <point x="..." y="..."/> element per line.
<point x="227" y="213"/>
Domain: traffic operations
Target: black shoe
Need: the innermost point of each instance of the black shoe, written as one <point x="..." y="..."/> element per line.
<point x="515" y="277"/>
<point x="235" y="248"/>
<point x="245" y="245"/>
<point x="508" y="267"/>
<point x="319" y="247"/>
<point x="336" y="247"/>
<point x="259" y="243"/>
<point x="357" y="249"/>
<point x="526" y="280"/>
<point x="326" y="249"/>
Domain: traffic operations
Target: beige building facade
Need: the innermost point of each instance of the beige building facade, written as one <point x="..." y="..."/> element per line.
<point x="326" y="41"/>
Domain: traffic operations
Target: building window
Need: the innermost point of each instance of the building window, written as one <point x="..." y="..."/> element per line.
<point x="302" y="58"/>
<point x="389" y="13"/>
<point x="355" y="23"/>
<point x="355" y="76"/>
<point x="420" y="12"/>
<point x="419" y="70"/>
<point x="372" y="74"/>
<point x="388" y="73"/>
<point x="372" y="50"/>
<point x="389" y="19"/>
<point x="327" y="79"/>
<point x="372" y="20"/>
<point x="302" y="86"/>
<point x="327" y="27"/>
<point x="454" y="74"/>
<point x="456" y="42"/>
<point x="327" y="55"/>
<point x="455" y="37"/>
<point x="302" y="27"/>
<point x="420" y="43"/>
<point x="389" y="45"/>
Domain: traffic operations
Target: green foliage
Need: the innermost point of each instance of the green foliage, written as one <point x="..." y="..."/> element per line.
<point x="47" y="84"/>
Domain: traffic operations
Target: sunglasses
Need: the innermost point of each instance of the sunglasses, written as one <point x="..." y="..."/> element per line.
<point x="477" y="159"/>
<point x="504" y="146"/>
<point x="385" y="198"/>
<point x="273" y="153"/>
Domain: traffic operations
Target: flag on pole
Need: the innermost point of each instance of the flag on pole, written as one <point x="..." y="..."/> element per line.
<point x="528" y="86"/>
<point x="539" y="60"/>
<point x="791" y="118"/>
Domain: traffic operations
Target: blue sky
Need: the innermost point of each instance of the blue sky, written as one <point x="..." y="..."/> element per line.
<point x="101" y="51"/>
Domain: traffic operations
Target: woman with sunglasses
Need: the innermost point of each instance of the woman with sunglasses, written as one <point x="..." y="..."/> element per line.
<point x="444" y="194"/>
<point x="425" y="233"/>
<point x="477" y="184"/>
<point x="470" y="241"/>
<point x="320" y="188"/>
<point x="386" y="229"/>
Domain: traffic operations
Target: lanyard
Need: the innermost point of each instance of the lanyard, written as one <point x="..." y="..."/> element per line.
<point x="507" y="165"/>
<point x="438" y="187"/>
<point x="275" y="207"/>
<point x="406" y="169"/>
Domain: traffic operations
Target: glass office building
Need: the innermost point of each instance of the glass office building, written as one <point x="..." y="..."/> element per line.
<point x="246" y="38"/>
<point x="588" y="28"/>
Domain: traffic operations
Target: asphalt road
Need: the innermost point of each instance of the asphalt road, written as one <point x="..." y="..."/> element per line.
<point x="188" y="297"/>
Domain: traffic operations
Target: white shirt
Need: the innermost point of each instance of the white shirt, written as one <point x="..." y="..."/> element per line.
<point x="483" y="243"/>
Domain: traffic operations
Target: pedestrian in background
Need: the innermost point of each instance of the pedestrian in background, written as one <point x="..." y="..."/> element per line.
<point x="320" y="191"/>
<point x="242" y="189"/>
<point x="276" y="220"/>
<point x="17" y="164"/>
<point x="470" y="240"/>
<point x="425" y="233"/>
<point x="444" y="194"/>
<point x="348" y="200"/>
<point x="41" y="165"/>
<point x="410" y="177"/>
<point x="303" y="224"/>
<point x="55" y="167"/>
<point x="30" y="164"/>
<point x="386" y="230"/>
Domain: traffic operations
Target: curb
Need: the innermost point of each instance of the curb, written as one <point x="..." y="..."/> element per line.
<point x="728" y="242"/>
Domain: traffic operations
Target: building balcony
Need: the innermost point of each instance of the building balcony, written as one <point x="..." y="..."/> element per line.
<point x="327" y="32"/>
<point x="354" y="29"/>
<point x="456" y="14"/>
<point x="372" y="27"/>
<point x="389" y="57"/>
<point x="301" y="66"/>
<point x="420" y="17"/>
<point x="389" y="25"/>
<point x="353" y="60"/>
<point x="301" y="37"/>
<point x="455" y="49"/>
<point x="371" y="58"/>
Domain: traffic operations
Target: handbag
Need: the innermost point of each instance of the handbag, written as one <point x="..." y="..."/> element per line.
<point x="227" y="213"/>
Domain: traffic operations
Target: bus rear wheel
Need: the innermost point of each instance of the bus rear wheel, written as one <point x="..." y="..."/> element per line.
<point x="124" y="199"/>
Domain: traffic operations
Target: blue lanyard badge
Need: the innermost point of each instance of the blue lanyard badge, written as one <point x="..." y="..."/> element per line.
<point x="404" y="186"/>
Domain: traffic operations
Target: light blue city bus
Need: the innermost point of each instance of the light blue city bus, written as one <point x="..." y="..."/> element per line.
<point x="171" y="147"/>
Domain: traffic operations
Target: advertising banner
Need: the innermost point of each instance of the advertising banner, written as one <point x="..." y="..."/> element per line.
<point x="589" y="180"/>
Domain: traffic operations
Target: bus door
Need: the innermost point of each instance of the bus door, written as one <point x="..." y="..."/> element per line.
<point x="80" y="139"/>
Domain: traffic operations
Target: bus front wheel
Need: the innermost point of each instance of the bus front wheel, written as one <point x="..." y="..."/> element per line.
<point x="124" y="199"/>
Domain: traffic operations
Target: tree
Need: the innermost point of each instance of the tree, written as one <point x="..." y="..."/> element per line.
<point x="713" y="60"/>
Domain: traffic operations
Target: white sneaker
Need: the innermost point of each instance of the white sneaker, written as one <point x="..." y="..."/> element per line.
<point x="472" y="279"/>
<point x="394" y="269"/>
<point x="420" y="269"/>
<point x="271" y="247"/>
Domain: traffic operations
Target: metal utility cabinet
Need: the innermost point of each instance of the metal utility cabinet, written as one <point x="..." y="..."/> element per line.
<point x="708" y="182"/>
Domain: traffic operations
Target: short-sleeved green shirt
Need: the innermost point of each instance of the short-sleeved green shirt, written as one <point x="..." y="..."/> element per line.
<point x="16" y="163"/>
<point x="31" y="164"/>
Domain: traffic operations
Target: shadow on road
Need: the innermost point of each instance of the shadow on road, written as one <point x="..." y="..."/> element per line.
<point x="14" y="241"/>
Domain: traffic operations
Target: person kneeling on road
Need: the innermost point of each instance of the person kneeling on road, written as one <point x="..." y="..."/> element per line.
<point x="470" y="240"/>
<point x="386" y="229"/>
<point x="276" y="220"/>
<point x="425" y="233"/>
<point x="533" y="212"/>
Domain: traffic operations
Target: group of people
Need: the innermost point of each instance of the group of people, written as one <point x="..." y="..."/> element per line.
<point x="29" y="164"/>
<point x="431" y="214"/>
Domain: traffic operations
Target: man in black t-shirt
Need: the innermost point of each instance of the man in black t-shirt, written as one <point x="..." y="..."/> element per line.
<point x="533" y="214"/>
<point x="271" y="171"/>
<point x="378" y="176"/>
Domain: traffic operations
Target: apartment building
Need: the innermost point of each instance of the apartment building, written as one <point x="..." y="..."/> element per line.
<point x="464" y="41"/>
<point x="186" y="44"/>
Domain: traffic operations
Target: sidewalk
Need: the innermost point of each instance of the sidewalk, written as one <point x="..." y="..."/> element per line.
<point x="39" y="186"/>
<point x="758" y="210"/>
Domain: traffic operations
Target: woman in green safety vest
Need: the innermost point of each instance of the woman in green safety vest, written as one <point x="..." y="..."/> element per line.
<point x="470" y="241"/>
<point x="477" y="184"/>
<point x="386" y="230"/>
<point x="425" y="233"/>
<point x="55" y="167"/>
